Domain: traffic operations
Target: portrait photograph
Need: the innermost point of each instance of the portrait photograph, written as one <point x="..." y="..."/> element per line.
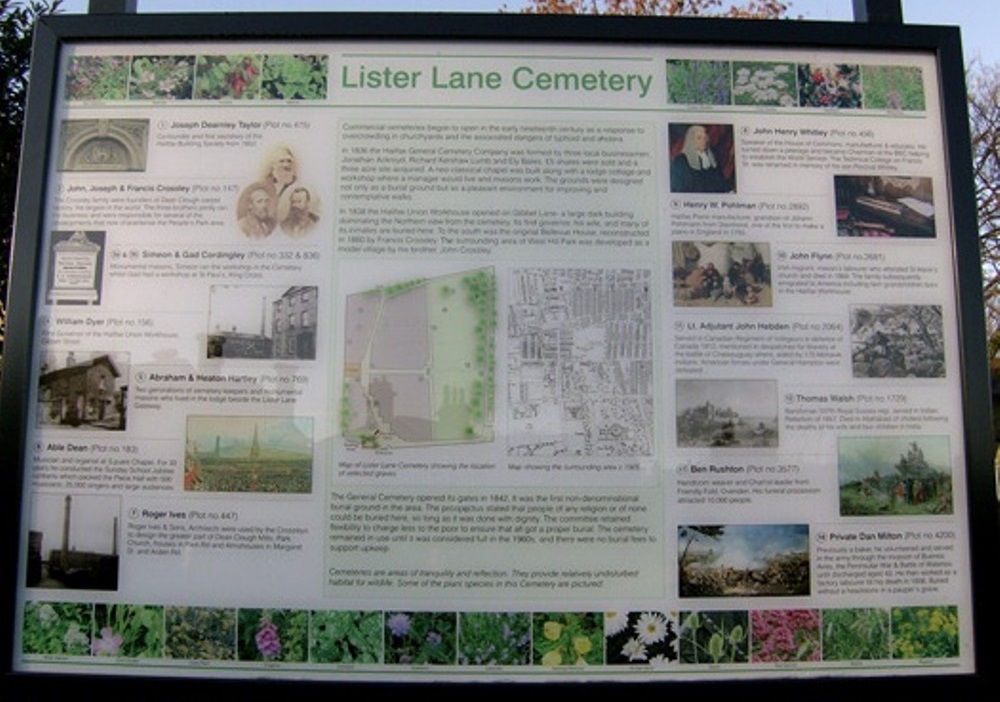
<point x="702" y="158"/>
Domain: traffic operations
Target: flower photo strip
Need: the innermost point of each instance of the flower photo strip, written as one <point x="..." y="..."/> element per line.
<point x="638" y="639"/>
<point x="788" y="85"/>
<point x="242" y="76"/>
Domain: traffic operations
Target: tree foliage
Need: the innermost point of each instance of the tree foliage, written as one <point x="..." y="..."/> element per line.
<point x="752" y="9"/>
<point x="984" y="124"/>
<point x="16" y="23"/>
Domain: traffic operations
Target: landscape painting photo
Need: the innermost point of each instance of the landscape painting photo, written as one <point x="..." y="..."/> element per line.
<point x="727" y="413"/>
<point x="249" y="454"/>
<point x="894" y="475"/>
<point x="743" y="560"/>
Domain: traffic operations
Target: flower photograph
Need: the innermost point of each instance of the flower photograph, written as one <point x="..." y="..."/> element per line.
<point x="640" y="638"/>
<point x="161" y="78"/>
<point x="227" y="77"/>
<point x="273" y="635"/>
<point x="714" y="637"/>
<point x="349" y="636"/>
<point x="925" y="632"/>
<point x="568" y="638"/>
<point x="57" y="628"/>
<point x="893" y="88"/>
<point x="128" y="631"/>
<point x="294" y="77"/>
<point x="860" y="634"/>
<point x="420" y="638"/>
<point x="764" y="83"/>
<point x="97" y="78"/>
<point x="200" y="633"/>
<point x="494" y="638"/>
<point x="836" y="85"/>
<point x="782" y="635"/>
<point x="697" y="82"/>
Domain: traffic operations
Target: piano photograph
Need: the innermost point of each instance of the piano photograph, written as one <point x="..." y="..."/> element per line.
<point x="884" y="206"/>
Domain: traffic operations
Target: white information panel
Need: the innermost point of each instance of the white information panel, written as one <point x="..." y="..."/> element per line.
<point x="386" y="360"/>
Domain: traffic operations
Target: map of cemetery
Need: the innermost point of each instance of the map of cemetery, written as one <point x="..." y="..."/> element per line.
<point x="419" y="362"/>
<point x="579" y="363"/>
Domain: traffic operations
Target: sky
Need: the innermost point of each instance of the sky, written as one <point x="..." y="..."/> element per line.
<point x="751" y="546"/>
<point x="977" y="19"/>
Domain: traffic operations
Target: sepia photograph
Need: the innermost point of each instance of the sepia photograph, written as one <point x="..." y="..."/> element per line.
<point x="266" y="322"/>
<point x="76" y="267"/>
<point x="727" y="413"/>
<point x="96" y="145"/>
<point x="257" y="210"/>
<point x="73" y="541"/>
<point x="86" y="390"/>
<point x="298" y="211"/>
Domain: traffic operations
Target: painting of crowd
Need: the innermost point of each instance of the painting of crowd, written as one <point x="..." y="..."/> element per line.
<point x="756" y="560"/>
<point x="248" y="454"/>
<point x="727" y="413"/>
<point x="881" y="476"/>
<point x="897" y="341"/>
<point x="721" y="273"/>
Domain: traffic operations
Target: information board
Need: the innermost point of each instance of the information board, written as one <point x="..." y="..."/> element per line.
<point x="354" y="348"/>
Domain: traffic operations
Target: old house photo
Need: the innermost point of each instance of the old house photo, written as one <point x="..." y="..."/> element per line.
<point x="86" y="390"/>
